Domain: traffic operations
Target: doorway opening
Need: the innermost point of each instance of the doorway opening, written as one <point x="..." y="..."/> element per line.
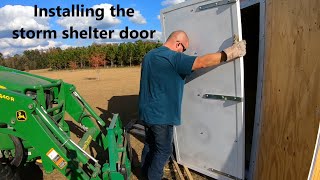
<point x="250" y="18"/>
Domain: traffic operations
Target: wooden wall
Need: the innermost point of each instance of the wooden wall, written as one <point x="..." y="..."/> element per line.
<point x="291" y="90"/>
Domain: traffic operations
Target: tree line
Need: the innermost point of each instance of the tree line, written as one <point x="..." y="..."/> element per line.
<point x="95" y="55"/>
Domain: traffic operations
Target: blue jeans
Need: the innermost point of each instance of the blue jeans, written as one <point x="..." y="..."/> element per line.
<point x="157" y="150"/>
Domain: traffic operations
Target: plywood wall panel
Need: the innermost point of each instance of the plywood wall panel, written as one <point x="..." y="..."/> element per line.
<point x="291" y="90"/>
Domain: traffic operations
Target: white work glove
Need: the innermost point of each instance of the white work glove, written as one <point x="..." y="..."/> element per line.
<point x="238" y="49"/>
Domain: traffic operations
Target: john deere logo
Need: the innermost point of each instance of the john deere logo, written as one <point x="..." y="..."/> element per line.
<point x="21" y="115"/>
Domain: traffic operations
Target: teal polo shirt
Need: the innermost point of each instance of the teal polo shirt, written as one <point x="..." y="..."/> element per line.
<point x="162" y="80"/>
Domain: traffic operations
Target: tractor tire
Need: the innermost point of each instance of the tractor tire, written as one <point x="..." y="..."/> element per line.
<point x="7" y="173"/>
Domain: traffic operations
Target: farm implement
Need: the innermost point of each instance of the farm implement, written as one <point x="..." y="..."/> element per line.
<point x="34" y="129"/>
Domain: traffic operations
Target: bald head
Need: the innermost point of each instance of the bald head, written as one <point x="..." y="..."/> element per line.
<point x="178" y="36"/>
<point x="177" y="41"/>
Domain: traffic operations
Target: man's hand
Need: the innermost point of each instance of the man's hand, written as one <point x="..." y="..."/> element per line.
<point x="238" y="49"/>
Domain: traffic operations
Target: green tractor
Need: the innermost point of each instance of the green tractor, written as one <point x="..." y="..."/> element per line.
<point x="33" y="129"/>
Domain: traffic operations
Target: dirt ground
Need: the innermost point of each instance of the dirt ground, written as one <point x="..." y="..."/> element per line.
<point x="111" y="91"/>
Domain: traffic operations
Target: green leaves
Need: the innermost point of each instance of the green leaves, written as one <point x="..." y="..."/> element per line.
<point x="116" y="54"/>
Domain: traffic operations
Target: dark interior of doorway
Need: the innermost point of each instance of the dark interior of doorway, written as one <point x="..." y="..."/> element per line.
<point x="250" y="31"/>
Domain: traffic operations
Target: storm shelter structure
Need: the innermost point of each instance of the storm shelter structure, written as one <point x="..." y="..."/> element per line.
<point x="256" y="117"/>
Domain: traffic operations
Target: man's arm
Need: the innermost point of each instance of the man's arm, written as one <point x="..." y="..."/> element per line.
<point x="209" y="60"/>
<point x="236" y="50"/>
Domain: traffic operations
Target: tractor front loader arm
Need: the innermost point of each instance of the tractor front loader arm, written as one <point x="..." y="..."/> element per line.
<point x="34" y="124"/>
<point x="113" y="141"/>
<point x="29" y="122"/>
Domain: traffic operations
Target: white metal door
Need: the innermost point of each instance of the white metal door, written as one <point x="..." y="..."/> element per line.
<point x="211" y="137"/>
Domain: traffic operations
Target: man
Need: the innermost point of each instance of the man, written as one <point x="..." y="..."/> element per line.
<point x="161" y="86"/>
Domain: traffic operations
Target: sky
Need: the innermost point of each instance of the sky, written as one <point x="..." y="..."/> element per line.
<point x="17" y="14"/>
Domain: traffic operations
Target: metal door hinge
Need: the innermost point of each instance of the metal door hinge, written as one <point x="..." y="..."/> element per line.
<point x="222" y="97"/>
<point x="215" y="4"/>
